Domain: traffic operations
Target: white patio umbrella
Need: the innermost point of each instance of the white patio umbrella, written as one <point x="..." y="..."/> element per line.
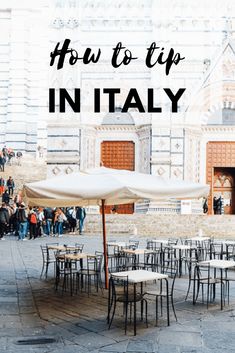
<point x="104" y="186"/>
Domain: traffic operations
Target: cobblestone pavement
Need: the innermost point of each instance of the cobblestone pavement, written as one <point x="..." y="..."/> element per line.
<point x="31" y="309"/>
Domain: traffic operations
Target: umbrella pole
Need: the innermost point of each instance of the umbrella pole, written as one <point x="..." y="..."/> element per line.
<point x="105" y="247"/>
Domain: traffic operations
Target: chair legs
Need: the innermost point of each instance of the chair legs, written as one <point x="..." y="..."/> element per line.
<point x="113" y="303"/>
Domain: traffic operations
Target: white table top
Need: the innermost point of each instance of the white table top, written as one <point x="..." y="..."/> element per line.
<point x="138" y="276"/>
<point x="160" y="241"/>
<point x="197" y="238"/>
<point x="229" y="242"/>
<point x="137" y="251"/>
<point x="120" y="244"/>
<point x="182" y="247"/>
<point x="221" y="264"/>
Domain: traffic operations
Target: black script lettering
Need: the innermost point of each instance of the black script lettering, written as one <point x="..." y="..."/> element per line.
<point x="171" y="59"/>
<point x="87" y="58"/>
<point x="127" y="56"/>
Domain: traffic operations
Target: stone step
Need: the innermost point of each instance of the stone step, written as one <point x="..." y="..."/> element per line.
<point x="155" y="225"/>
<point x="30" y="170"/>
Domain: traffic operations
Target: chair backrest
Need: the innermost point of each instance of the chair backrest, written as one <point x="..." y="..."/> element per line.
<point x="45" y="252"/>
<point x="173" y="241"/>
<point x="118" y="288"/>
<point x="150" y="259"/>
<point x="172" y="274"/>
<point x="202" y="272"/>
<point x="100" y="258"/>
<point x="78" y="248"/>
<point x="133" y="244"/>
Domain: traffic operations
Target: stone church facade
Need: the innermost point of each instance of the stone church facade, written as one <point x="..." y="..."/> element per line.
<point x="197" y="143"/>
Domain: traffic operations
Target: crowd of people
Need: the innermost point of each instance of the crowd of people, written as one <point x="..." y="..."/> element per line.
<point x="33" y="222"/>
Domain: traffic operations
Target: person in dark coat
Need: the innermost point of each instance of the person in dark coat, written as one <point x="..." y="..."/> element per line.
<point x="6" y="197"/>
<point x="4" y="221"/>
<point x="10" y="185"/>
<point x="81" y="215"/>
<point x="2" y="162"/>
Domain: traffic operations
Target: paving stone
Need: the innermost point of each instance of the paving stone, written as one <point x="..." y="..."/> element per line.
<point x="165" y="348"/>
<point x="8" y="299"/>
<point x="95" y="326"/>
<point x="141" y="346"/>
<point x="9" y="308"/>
<point x="70" y="349"/>
<point x="180" y="338"/>
<point x="120" y="347"/>
<point x="93" y="340"/>
<point x="221" y="339"/>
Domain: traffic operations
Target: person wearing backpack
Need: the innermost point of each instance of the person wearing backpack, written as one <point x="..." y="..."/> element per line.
<point x="32" y="224"/>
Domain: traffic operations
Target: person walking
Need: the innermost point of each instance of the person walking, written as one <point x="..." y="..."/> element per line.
<point x="2" y="185"/>
<point x="4" y="221"/>
<point x="81" y="215"/>
<point x="10" y="185"/>
<point x="23" y="222"/>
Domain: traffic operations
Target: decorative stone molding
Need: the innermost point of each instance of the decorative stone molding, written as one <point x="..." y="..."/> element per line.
<point x="68" y="170"/>
<point x="56" y="170"/>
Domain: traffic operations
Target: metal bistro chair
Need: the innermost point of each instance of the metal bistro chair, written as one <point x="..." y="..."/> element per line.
<point x="47" y="259"/>
<point x="93" y="271"/>
<point x="66" y="270"/>
<point x="165" y="290"/>
<point x="120" y="291"/>
<point x="133" y="244"/>
<point x="78" y="248"/>
<point x="204" y="276"/>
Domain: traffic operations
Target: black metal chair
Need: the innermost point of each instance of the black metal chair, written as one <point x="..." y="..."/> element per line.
<point x="204" y="276"/>
<point x="93" y="271"/>
<point x="48" y="258"/>
<point x="121" y="291"/>
<point x="165" y="290"/>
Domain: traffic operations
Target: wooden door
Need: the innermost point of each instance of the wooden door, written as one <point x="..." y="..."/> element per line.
<point x="220" y="155"/>
<point x="223" y="186"/>
<point x="119" y="155"/>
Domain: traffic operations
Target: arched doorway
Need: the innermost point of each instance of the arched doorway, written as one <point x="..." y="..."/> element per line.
<point x="223" y="186"/>
<point x="221" y="174"/>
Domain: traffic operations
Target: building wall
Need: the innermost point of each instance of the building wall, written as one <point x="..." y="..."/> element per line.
<point x="164" y="225"/>
<point x="167" y="144"/>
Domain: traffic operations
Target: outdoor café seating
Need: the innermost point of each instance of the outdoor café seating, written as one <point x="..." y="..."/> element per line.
<point x="143" y="276"/>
